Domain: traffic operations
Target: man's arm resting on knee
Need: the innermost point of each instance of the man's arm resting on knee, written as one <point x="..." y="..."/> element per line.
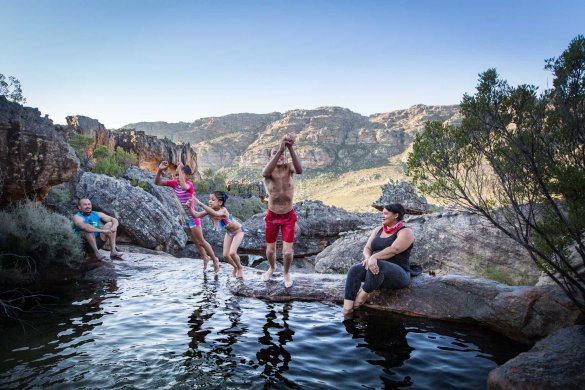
<point x="78" y="221"/>
<point x="106" y="218"/>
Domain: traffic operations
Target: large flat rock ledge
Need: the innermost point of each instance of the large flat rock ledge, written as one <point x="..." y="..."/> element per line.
<point x="523" y="313"/>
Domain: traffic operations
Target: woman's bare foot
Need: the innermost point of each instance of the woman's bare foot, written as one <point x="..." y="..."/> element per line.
<point x="234" y="271"/>
<point x="205" y="262"/>
<point x="361" y="298"/>
<point x="216" y="265"/>
<point x="268" y="274"/>
<point x="240" y="273"/>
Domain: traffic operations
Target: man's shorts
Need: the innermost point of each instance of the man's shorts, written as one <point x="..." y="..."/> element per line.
<point x="98" y="241"/>
<point x="193" y="222"/>
<point x="286" y="222"/>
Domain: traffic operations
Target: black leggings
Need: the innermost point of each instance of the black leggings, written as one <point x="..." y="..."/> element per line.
<point x="390" y="276"/>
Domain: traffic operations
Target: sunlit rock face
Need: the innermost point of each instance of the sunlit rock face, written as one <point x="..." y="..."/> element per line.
<point x="33" y="155"/>
<point x="149" y="149"/>
<point x="332" y="138"/>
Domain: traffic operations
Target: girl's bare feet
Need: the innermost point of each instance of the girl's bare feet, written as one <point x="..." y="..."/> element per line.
<point x="216" y="265"/>
<point x="240" y="273"/>
<point x="234" y="271"/>
<point x="205" y="261"/>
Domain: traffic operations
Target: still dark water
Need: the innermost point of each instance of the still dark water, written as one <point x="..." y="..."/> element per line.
<point x="164" y="324"/>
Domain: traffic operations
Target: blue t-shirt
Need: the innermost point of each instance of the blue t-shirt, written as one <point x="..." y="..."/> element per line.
<point x="92" y="219"/>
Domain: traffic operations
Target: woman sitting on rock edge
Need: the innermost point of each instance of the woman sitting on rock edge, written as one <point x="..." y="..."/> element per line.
<point x="386" y="260"/>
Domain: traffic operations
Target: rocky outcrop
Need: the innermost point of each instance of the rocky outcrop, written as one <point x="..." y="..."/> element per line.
<point x="447" y="242"/>
<point x="211" y="136"/>
<point x="525" y="314"/>
<point x="152" y="150"/>
<point x="404" y="193"/>
<point x="557" y="362"/>
<point x="317" y="227"/>
<point x="142" y="217"/>
<point x="327" y="138"/>
<point x="33" y="156"/>
<point x="149" y="149"/>
<point x="88" y="127"/>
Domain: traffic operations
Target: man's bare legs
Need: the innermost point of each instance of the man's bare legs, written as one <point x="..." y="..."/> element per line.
<point x="287" y="257"/>
<point x="204" y="248"/>
<point x="90" y="238"/>
<point x="271" y="256"/>
<point x="111" y="240"/>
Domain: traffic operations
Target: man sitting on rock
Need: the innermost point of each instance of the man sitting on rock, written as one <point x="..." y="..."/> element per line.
<point x="88" y="224"/>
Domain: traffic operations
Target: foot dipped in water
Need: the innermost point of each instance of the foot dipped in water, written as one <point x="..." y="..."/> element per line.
<point x="361" y="298"/>
<point x="268" y="274"/>
<point x="287" y="281"/>
<point x="205" y="262"/>
<point x="239" y="273"/>
<point x="216" y="265"/>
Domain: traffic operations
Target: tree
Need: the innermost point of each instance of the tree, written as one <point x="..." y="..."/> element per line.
<point x="11" y="89"/>
<point x="518" y="159"/>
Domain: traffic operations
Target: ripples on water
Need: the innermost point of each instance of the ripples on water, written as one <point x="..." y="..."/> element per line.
<point x="166" y="325"/>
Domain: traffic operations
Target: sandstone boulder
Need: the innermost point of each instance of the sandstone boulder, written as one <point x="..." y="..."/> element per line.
<point x="525" y="314"/>
<point x="142" y="217"/>
<point x="33" y="156"/>
<point x="152" y="150"/>
<point x="317" y="227"/>
<point x="557" y="362"/>
<point x="404" y="193"/>
<point x="447" y="242"/>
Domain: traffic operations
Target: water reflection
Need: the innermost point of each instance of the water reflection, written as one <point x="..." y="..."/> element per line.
<point x="386" y="339"/>
<point x="276" y="334"/>
<point x="76" y="311"/>
<point x="168" y="325"/>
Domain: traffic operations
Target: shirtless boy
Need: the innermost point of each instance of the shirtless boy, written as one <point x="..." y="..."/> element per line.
<point x="280" y="185"/>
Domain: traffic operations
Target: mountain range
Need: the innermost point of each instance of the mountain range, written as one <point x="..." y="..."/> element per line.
<point x="346" y="156"/>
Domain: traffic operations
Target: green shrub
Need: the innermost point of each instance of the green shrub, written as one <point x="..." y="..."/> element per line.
<point x="139" y="183"/>
<point x="32" y="237"/>
<point x="108" y="167"/>
<point x="210" y="181"/>
<point x="81" y="143"/>
<point x="112" y="163"/>
<point x="60" y="198"/>
<point x="244" y="208"/>
<point x="101" y="152"/>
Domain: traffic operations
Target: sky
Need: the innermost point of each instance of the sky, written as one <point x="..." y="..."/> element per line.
<point x="129" y="61"/>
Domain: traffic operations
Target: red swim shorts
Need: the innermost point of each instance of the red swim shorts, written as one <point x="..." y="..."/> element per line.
<point x="285" y="221"/>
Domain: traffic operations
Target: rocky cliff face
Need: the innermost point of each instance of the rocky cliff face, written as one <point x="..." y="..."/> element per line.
<point x="33" y="156"/>
<point x="150" y="149"/>
<point x="327" y="138"/>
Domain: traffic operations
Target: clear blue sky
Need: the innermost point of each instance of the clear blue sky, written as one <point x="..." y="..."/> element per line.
<point x="127" y="61"/>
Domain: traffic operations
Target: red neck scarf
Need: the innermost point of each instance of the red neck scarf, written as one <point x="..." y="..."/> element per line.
<point x="393" y="229"/>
